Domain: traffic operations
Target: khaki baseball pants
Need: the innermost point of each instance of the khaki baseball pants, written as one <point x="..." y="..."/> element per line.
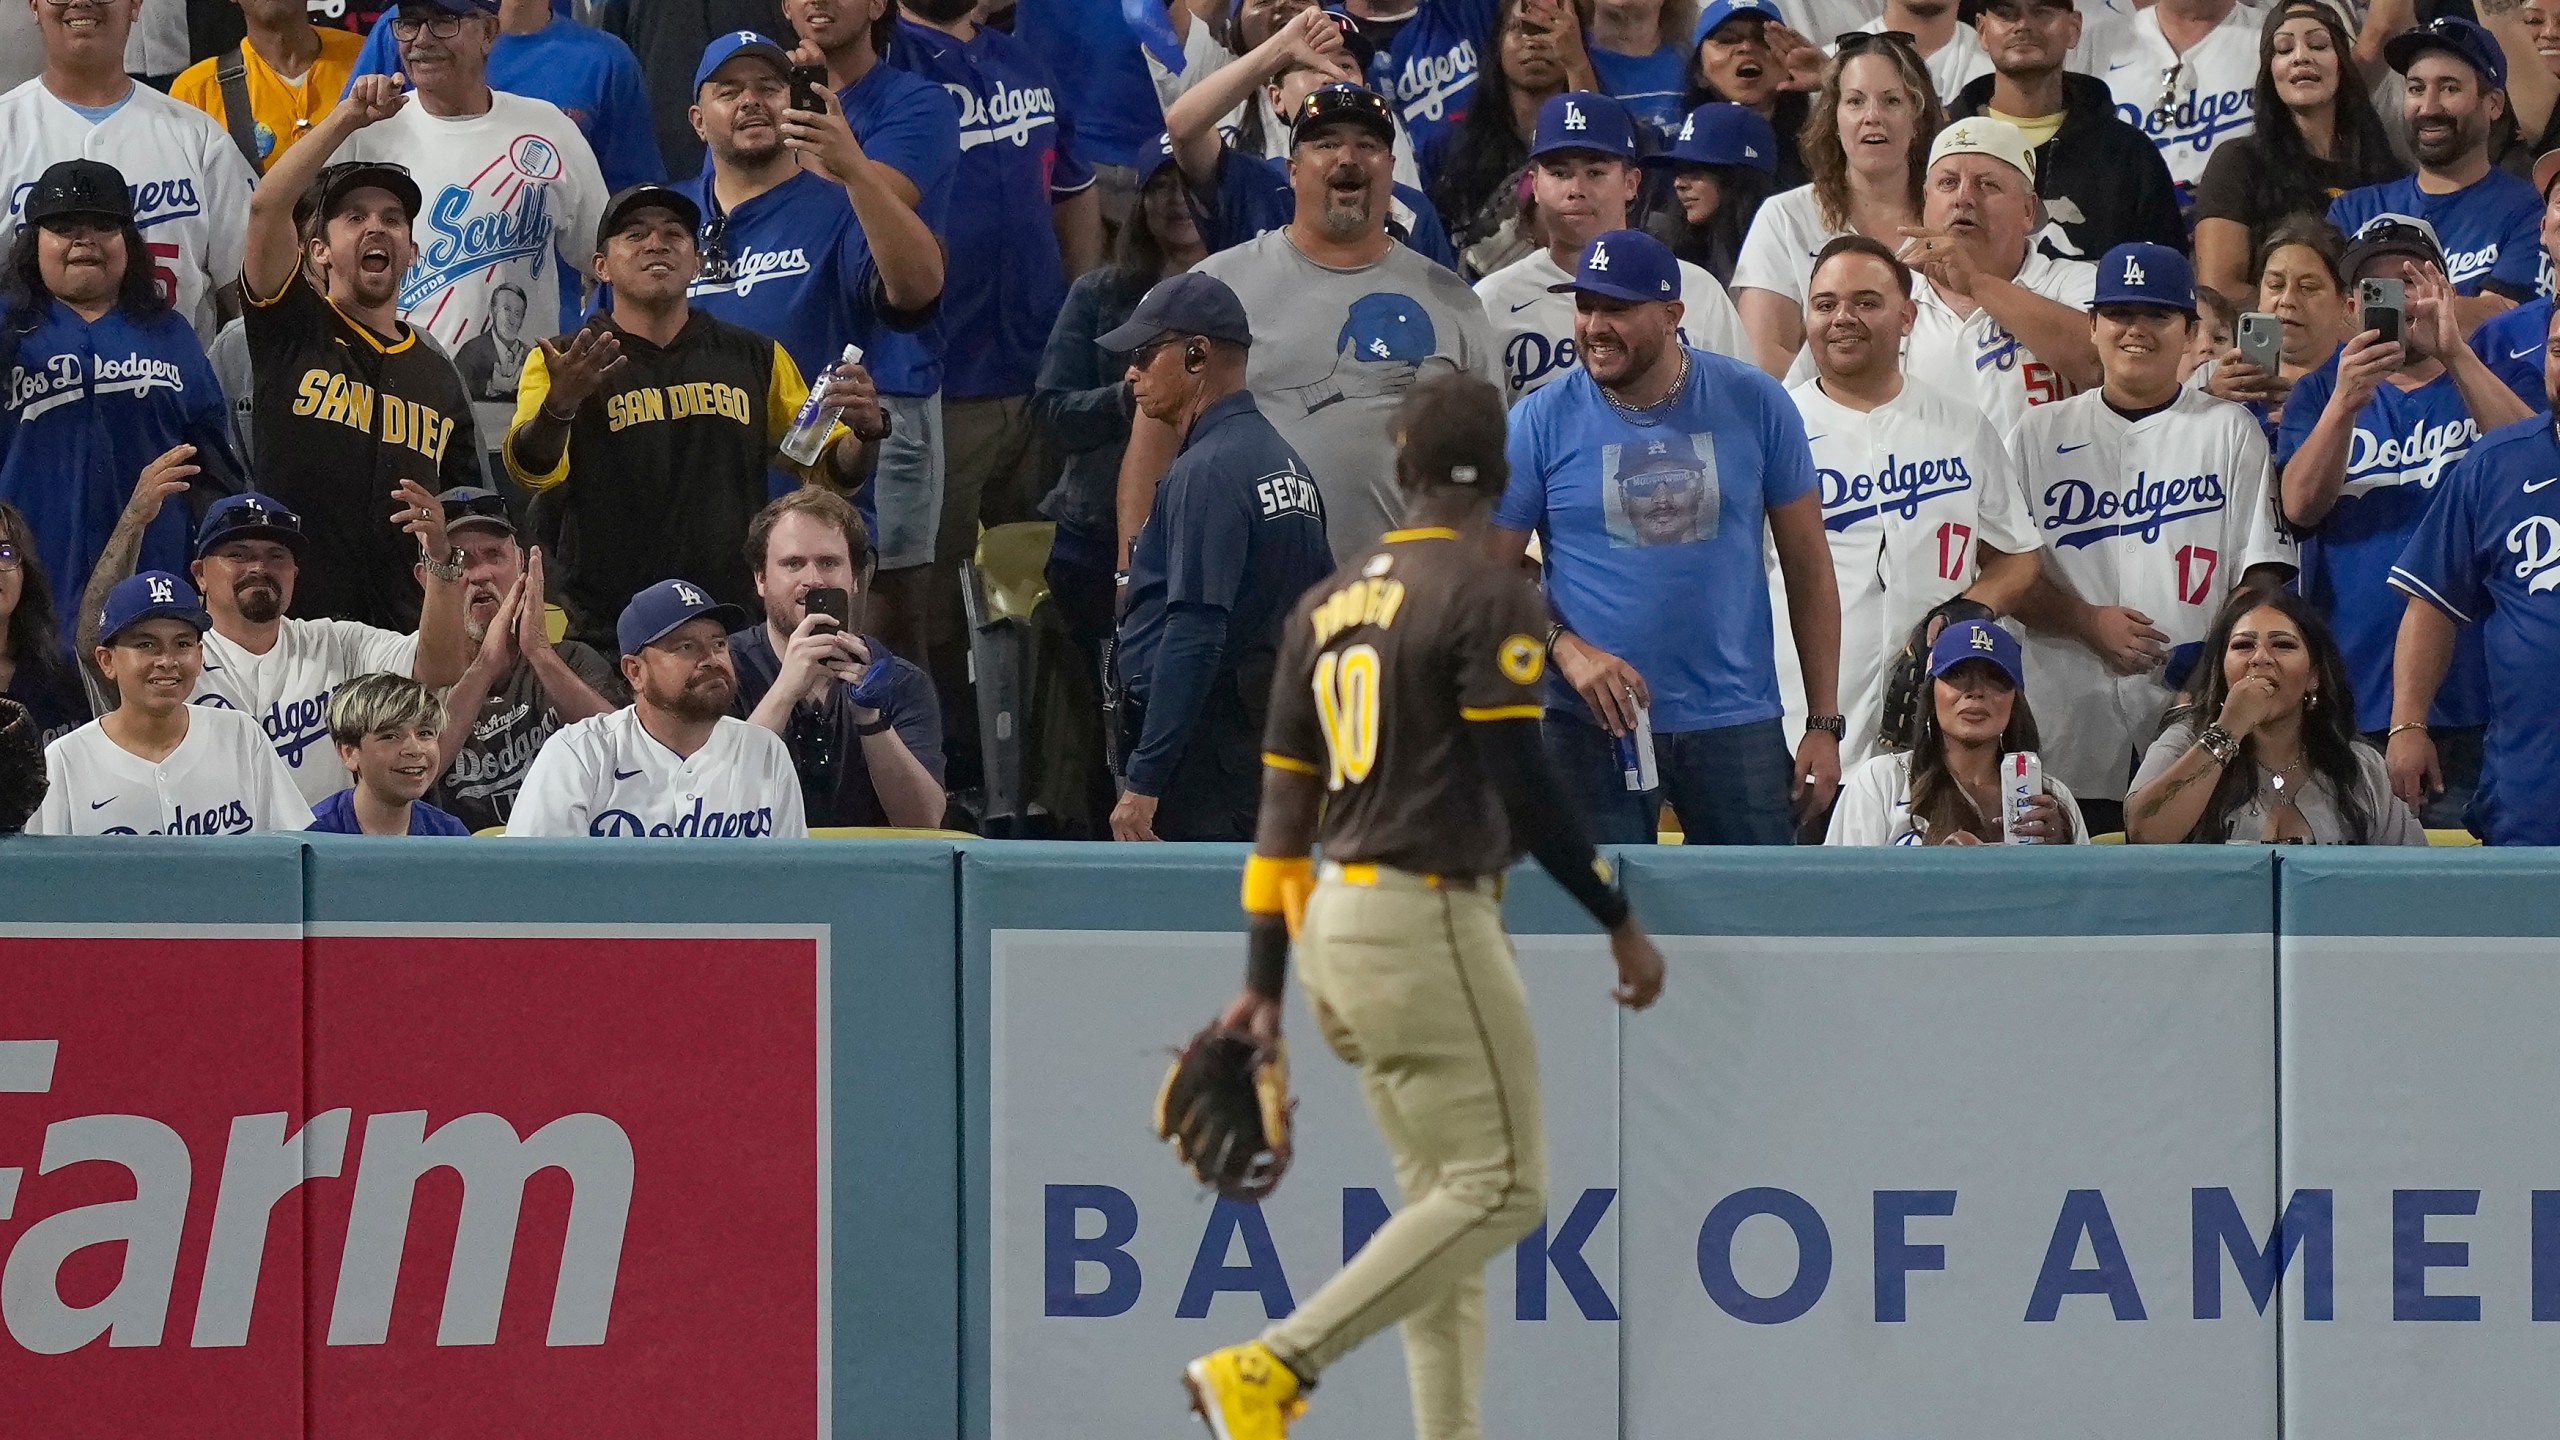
<point x="1414" y="984"/>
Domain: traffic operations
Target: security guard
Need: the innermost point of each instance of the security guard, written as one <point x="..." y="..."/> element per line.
<point x="656" y="424"/>
<point x="1236" y="534"/>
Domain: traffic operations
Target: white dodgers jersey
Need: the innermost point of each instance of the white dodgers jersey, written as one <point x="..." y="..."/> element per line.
<point x="1535" y="328"/>
<point x="1911" y="492"/>
<point x="190" y="187"/>
<point x="223" y="779"/>
<point x="607" y="775"/>
<point x="2162" y="515"/>
<point x="1976" y="359"/>
<point x="286" y="691"/>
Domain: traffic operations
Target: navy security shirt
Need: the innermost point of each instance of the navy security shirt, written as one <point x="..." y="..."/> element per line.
<point x="2404" y="442"/>
<point x="1237" y="527"/>
<point x="1428" y="70"/>
<point x="826" y="741"/>
<point x="2488" y="554"/>
<point x="2510" y="344"/>
<point x="1018" y="157"/>
<point x="794" y="264"/>
<point x="1252" y="197"/>
<point x="2491" y="228"/>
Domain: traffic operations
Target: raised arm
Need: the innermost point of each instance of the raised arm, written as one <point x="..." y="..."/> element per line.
<point x="275" y="248"/>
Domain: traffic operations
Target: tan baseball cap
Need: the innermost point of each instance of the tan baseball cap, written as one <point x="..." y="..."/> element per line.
<point x="1982" y="135"/>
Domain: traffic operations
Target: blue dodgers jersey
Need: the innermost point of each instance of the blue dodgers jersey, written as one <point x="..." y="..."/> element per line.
<point x="1653" y="532"/>
<point x="1650" y="86"/>
<point x="910" y="124"/>
<point x="590" y="75"/>
<point x="2491" y="228"/>
<point x="794" y="264"/>
<point x="2488" y="554"/>
<point x="2511" y="342"/>
<point x="1253" y="197"/>
<point x="1117" y="114"/>
<point x="1017" y="156"/>
<point x="1428" y="71"/>
<point x="89" y="404"/>
<point x="2404" y="442"/>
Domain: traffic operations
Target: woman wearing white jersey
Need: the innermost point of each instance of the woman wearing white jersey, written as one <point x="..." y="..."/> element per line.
<point x="2154" y="503"/>
<point x="677" y="763"/>
<point x="1947" y="789"/>
<point x="1866" y="143"/>
<point x="156" y="765"/>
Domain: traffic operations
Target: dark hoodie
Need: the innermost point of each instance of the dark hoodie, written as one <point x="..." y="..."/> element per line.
<point x="2102" y="181"/>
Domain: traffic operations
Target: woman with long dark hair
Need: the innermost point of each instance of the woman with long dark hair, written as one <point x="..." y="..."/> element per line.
<point x="1741" y="53"/>
<point x="34" y="670"/>
<point x="2317" y="137"/>
<point x="2267" y="750"/>
<point x="1474" y="180"/>
<point x="1866" y="146"/>
<point x="1723" y="164"/>
<point x="78" y="298"/>
<point x="1947" y="788"/>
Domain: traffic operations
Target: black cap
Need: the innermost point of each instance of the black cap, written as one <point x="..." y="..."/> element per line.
<point x="466" y="505"/>
<point x="1186" y="304"/>
<point x="248" y="516"/>
<point x="80" y="187"/>
<point x="635" y="197"/>
<point x="2393" y="234"/>
<point x="1343" y="101"/>
<point x="343" y="179"/>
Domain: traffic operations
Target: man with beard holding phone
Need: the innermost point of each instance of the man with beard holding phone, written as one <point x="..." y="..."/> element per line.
<point x="832" y="693"/>
<point x="281" y="672"/>
<point x="676" y="763"/>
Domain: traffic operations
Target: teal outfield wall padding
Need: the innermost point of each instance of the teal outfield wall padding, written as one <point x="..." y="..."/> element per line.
<point x="150" y="881"/>
<point x="2465" y="891"/>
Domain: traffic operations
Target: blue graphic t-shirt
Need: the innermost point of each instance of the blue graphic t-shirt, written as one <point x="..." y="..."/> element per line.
<point x="2491" y="228"/>
<point x="1650" y="86"/>
<point x="2511" y="343"/>
<point x="1428" y="70"/>
<point x="1653" y="533"/>
<point x="2404" y="441"/>
<point x="589" y="74"/>
<point x="1018" y="156"/>
<point x="2488" y="554"/>
<point x="1253" y="197"/>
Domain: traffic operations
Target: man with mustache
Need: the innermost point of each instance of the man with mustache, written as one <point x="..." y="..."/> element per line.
<point x="280" y="671"/>
<point x="2486" y="220"/>
<point x="520" y="687"/>
<point x="348" y="404"/>
<point x="677" y="763"/>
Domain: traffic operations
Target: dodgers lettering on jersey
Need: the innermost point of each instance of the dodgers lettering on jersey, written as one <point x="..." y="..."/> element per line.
<point x="794" y="264"/>
<point x="692" y="822"/>
<point x="2490" y="228"/>
<point x="1428" y="71"/>
<point x="1895" y="486"/>
<point x="231" y="817"/>
<point x="2186" y="102"/>
<point x="287" y="689"/>
<point x="220" y="780"/>
<point x="2079" y="513"/>
<point x="605" y="775"/>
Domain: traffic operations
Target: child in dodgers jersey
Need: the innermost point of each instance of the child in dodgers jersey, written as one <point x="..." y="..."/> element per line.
<point x="221" y="777"/>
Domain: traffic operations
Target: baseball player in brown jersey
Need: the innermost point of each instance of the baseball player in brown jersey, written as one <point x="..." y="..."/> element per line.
<point x="1403" y="736"/>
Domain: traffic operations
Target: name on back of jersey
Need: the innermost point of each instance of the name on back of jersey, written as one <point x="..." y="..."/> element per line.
<point x="2084" y="514"/>
<point x="677" y="402"/>
<point x="1897" y="486"/>
<point x="325" y="395"/>
<point x="1370" y="601"/>
<point x="1288" y="493"/>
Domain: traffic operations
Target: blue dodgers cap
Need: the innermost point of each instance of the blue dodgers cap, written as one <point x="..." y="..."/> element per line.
<point x="1584" y="120"/>
<point x="248" y="516"/>
<point x="151" y="595"/>
<point x="1978" y="640"/>
<point x="1719" y="11"/>
<point x="1625" y="265"/>
<point x="2465" y="40"/>
<point x="1186" y="304"/>
<point x="2139" y="272"/>
<point x="1722" y="134"/>
<point x="654" y="613"/>
<point x="1155" y="157"/>
<point x="725" y="48"/>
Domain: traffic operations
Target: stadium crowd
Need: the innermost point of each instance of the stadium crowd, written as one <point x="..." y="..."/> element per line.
<point x="571" y="419"/>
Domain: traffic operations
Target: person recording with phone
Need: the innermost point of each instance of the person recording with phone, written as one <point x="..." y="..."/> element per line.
<point x="860" y="723"/>
<point x="2365" y="441"/>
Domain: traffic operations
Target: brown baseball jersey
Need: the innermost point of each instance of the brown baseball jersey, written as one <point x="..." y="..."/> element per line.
<point x="1382" y="668"/>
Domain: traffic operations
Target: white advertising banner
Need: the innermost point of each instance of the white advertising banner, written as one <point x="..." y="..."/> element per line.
<point x="1110" y="1268"/>
<point x="2422" y="1148"/>
<point x="1951" y="1187"/>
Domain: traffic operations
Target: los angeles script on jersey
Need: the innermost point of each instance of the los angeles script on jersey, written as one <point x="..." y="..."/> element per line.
<point x="1897" y="486"/>
<point x="324" y="394"/>
<point x="2085" y="514"/>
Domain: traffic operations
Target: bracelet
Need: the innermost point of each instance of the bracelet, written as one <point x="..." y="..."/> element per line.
<point x="2394" y="732"/>
<point x="553" y="415"/>
<point x="2219" y="743"/>
<point x="1835" y="726"/>
<point x="875" y="727"/>
<point x="1555" y="632"/>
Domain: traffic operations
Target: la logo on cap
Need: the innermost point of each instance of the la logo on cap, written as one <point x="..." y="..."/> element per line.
<point x="2133" y="272"/>
<point x="686" y="594"/>
<point x="162" y="592"/>
<point x="1599" y="255"/>
<point x="1573" y="115"/>
<point x="1689" y="128"/>
<point x="1656" y="447"/>
<point x="1981" y="639"/>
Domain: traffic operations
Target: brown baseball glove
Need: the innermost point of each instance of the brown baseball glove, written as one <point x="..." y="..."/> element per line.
<point x="1225" y="1106"/>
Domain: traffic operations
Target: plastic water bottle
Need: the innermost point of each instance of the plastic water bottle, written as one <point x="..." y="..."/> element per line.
<point x="810" y="428"/>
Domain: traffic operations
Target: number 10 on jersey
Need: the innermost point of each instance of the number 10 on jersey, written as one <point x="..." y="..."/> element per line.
<point x="1346" y="687"/>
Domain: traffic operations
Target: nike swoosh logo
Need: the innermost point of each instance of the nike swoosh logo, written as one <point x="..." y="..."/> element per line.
<point x="2119" y="65"/>
<point x="1523" y="305"/>
<point x="2067" y="449"/>
<point x="2523" y="353"/>
<point x="2529" y="487"/>
<point x="626" y="774"/>
<point x="1825" y="435"/>
<point x="102" y="804"/>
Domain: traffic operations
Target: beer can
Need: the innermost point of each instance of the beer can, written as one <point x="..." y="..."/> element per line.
<point x="2021" y="780"/>
<point x="1635" y="753"/>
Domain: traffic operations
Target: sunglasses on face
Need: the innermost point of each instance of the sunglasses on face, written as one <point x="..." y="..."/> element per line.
<point x="1653" y="483"/>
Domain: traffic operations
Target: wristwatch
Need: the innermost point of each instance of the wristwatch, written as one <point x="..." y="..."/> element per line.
<point x="1835" y="726"/>
<point x="449" y="568"/>
<point x="1555" y="632"/>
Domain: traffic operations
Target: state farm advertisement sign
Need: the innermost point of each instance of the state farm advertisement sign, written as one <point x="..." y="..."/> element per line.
<point x="377" y="1185"/>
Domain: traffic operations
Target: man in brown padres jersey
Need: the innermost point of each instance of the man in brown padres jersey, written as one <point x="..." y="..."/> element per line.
<point x="1403" y="735"/>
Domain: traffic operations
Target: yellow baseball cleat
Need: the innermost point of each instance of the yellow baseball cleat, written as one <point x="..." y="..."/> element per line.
<point x="1244" y="1392"/>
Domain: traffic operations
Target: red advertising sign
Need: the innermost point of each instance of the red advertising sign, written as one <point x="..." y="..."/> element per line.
<point x="473" y="1186"/>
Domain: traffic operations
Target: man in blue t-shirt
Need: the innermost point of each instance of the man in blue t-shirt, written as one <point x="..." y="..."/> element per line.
<point x="1235" y="537"/>
<point x="2365" y="441"/>
<point x="2485" y="217"/>
<point x="2510" y="344"/>
<point x="590" y="75"/>
<point x="1651" y="474"/>
<point x="1425" y="58"/>
<point x="2487" y="559"/>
